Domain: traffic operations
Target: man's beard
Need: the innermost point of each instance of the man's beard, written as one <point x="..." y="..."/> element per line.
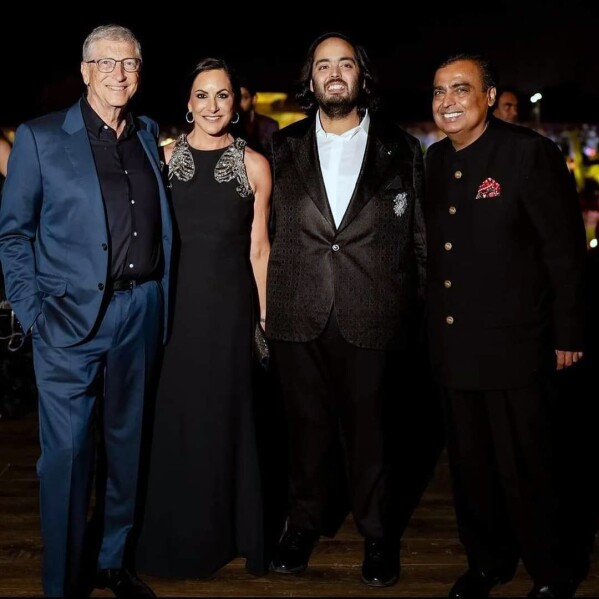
<point x="336" y="106"/>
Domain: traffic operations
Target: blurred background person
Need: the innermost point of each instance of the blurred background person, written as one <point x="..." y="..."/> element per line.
<point x="204" y="498"/>
<point x="255" y="128"/>
<point x="506" y="104"/>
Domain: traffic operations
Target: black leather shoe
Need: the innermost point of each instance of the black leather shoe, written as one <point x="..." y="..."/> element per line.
<point x="380" y="567"/>
<point x="122" y="583"/>
<point x="557" y="590"/>
<point x="294" y="550"/>
<point x="477" y="584"/>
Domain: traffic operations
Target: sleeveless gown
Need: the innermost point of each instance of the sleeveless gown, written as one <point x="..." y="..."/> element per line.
<point x="203" y="505"/>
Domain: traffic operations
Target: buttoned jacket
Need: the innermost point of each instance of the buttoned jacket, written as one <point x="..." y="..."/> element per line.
<point x="372" y="266"/>
<point x="54" y="239"/>
<point x="506" y="248"/>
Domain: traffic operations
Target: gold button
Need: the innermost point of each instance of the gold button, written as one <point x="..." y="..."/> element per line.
<point x="447" y="284"/>
<point x="449" y="320"/>
<point x="458" y="174"/>
<point x="448" y="246"/>
<point x="452" y="210"/>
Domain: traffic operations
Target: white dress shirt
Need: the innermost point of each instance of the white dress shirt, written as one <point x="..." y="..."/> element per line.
<point x="341" y="158"/>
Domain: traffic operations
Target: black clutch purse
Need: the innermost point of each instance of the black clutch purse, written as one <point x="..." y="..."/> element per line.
<point x="261" y="350"/>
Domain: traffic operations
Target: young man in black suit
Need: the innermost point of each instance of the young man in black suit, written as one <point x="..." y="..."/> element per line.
<point x="346" y="266"/>
<point x="506" y="247"/>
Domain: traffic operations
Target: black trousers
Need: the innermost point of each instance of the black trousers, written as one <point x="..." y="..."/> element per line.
<point x="511" y="493"/>
<point x="336" y="394"/>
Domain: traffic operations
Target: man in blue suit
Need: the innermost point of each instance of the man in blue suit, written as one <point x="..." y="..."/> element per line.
<point x="85" y="243"/>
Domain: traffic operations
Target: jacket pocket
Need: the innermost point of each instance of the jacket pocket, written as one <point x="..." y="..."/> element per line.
<point x="51" y="285"/>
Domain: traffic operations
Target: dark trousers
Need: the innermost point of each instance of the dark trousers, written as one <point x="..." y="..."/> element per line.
<point x="334" y="391"/>
<point x="112" y="367"/>
<point x="510" y="492"/>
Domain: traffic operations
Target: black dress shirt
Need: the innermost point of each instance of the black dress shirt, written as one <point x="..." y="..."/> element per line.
<point x="131" y="198"/>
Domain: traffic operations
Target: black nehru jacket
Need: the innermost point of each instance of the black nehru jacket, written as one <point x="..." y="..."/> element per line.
<point x="506" y="248"/>
<point x="131" y="198"/>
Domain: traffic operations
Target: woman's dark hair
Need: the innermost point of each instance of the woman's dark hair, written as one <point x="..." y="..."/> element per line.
<point x="216" y="64"/>
<point x="366" y="98"/>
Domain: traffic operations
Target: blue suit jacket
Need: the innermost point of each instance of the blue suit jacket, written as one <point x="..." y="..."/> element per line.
<point x="53" y="229"/>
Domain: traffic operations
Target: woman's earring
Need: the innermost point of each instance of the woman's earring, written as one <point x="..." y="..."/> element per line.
<point x="189" y="117"/>
<point x="235" y="119"/>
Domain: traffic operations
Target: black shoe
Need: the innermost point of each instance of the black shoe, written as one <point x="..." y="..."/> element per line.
<point x="294" y="550"/>
<point x="477" y="584"/>
<point x="380" y="567"/>
<point x="557" y="590"/>
<point x="122" y="583"/>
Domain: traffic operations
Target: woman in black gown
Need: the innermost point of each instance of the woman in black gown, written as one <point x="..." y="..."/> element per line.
<point x="204" y="506"/>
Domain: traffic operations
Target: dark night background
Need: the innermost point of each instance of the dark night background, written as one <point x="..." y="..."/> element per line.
<point x="552" y="47"/>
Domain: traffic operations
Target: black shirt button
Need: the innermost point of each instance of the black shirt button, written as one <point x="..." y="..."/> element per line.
<point x="101" y="286"/>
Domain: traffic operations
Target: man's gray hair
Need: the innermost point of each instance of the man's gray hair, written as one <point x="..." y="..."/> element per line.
<point x="113" y="33"/>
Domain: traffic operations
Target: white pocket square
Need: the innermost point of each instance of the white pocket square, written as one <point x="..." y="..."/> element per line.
<point x="400" y="203"/>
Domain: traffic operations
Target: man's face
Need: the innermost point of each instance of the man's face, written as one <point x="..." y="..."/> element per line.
<point x="460" y="104"/>
<point x="107" y="91"/>
<point x="507" y="107"/>
<point x="246" y="100"/>
<point x="335" y="77"/>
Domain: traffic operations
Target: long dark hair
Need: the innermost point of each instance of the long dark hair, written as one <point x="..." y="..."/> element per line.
<point x="367" y="98"/>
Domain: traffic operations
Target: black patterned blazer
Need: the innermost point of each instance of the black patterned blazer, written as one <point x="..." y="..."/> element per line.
<point x="371" y="268"/>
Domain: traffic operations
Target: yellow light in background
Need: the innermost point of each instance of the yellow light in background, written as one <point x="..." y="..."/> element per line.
<point x="270" y="97"/>
<point x="287" y="118"/>
<point x="270" y="103"/>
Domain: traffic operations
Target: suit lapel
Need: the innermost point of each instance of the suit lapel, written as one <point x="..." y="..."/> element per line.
<point x="377" y="159"/>
<point x="305" y="157"/>
<point x="149" y="145"/>
<point x="78" y="149"/>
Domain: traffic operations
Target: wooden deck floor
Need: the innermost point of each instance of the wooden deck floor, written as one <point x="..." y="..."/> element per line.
<point x="431" y="555"/>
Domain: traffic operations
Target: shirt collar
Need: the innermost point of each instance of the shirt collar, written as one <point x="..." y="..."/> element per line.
<point x="363" y="126"/>
<point x="96" y="125"/>
<point x="479" y="142"/>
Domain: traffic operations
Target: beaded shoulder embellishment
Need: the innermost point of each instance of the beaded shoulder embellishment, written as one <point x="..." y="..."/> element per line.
<point x="181" y="163"/>
<point x="231" y="166"/>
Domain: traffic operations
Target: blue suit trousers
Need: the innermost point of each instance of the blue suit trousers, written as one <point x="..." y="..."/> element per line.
<point x="103" y="380"/>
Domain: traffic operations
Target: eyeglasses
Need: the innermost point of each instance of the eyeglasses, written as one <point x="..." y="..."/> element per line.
<point x="106" y="65"/>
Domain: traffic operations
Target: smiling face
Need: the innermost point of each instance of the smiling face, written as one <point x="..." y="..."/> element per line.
<point x="460" y="104"/>
<point x="335" y="77"/>
<point x="212" y="102"/>
<point x="107" y="92"/>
